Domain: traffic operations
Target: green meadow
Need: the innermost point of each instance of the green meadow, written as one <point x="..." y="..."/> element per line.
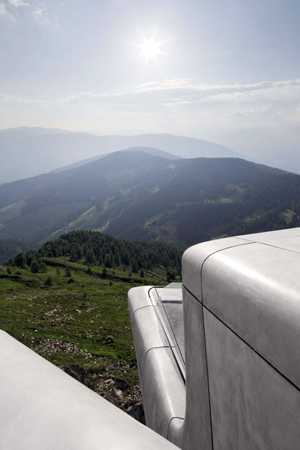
<point x="76" y="315"/>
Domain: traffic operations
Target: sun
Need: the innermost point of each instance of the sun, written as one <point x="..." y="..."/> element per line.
<point x="150" y="49"/>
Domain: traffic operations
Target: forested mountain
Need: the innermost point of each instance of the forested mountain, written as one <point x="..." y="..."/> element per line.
<point x="138" y="196"/>
<point x="27" y="152"/>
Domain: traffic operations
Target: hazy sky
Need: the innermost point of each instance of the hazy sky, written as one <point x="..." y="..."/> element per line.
<point x="224" y="68"/>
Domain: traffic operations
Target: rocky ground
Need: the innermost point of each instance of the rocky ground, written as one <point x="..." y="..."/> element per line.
<point x="103" y="377"/>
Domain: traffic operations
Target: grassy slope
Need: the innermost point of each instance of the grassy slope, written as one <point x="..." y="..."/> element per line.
<point x="85" y="323"/>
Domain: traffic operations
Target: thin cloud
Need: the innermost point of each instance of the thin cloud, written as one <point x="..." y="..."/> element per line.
<point x="17" y="3"/>
<point x="34" y="8"/>
<point x="202" y="92"/>
<point x="38" y="13"/>
<point x="182" y="92"/>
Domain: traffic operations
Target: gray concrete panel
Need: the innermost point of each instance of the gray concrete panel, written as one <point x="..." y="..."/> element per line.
<point x="194" y="257"/>
<point x="292" y="244"/>
<point x="138" y="298"/>
<point x="148" y="333"/>
<point x="175" y="431"/>
<point x="42" y="408"/>
<point x="253" y="406"/>
<point x="175" y="317"/>
<point x="197" y="427"/>
<point x="271" y="235"/>
<point x="254" y="289"/>
<point x="168" y="293"/>
<point x="163" y="392"/>
<point x="162" y="384"/>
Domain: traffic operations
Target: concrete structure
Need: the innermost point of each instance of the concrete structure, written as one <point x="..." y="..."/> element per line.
<point x="219" y="363"/>
<point x="42" y="408"/>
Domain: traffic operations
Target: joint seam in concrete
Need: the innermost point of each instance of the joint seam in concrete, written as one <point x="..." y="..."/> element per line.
<point x="271" y="245"/>
<point x="174" y="417"/>
<point x="154" y="348"/>
<point x="253" y="349"/>
<point x="213" y="253"/>
<point x="246" y="343"/>
<point x="207" y="374"/>
<point x="138" y="309"/>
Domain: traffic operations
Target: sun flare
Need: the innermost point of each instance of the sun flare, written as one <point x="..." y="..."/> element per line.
<point x="150" y="49"/>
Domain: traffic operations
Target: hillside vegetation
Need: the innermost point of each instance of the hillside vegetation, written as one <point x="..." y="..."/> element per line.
<point x="68" y="302"/>
<point x="135" y="195"/>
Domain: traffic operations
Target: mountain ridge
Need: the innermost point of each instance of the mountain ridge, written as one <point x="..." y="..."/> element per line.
<point x="141" y="196"/>
<point x="40" y="151"/>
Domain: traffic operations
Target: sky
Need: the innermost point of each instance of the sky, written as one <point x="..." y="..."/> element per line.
<point x="224" y="71"/>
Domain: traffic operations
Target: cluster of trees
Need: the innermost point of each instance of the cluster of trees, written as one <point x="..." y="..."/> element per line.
<point x="94" y="248"/>
<point x="9" y="248"/>
<point x="30" y="259"/>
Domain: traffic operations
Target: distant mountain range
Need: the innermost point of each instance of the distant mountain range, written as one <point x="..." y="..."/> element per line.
<point x="27" y="152"/>
<point x="149" y="150"/>
<point x="276" y="149"/>
<point x="140" y="196"/>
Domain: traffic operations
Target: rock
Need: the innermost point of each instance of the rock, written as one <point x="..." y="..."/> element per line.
<point x="78" y="373"/>
<point x="137" y="412"/>
<point x="118" y="393"/>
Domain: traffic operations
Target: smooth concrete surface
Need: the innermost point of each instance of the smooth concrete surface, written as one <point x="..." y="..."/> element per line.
<point x="163" y="391"/>
<point x="194" y="258"/>
<point x="271" y="235"/>
<point x="253" y="406"/>
<point x="174" y="316"/>
<point x="148" y="334"/>
<point x="197" y="424"/>
<point x="255" y="291"/>
<point x="42" y="408"/>
<point x="161" y="381"/>
<point x="241" y="315"/>
<point x="168" y="302"/>
<point x="139" y="298"/>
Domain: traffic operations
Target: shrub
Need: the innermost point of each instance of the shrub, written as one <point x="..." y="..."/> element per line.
<point x="48" y="281"/>
<point x="20" y="261"/>
<point x="43" y="267"/>
<point x="35" y="267"/>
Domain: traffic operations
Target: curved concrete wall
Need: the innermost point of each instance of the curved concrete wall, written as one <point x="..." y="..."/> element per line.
<point x="162" y="387"/>
<point x="241" y="306"/>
